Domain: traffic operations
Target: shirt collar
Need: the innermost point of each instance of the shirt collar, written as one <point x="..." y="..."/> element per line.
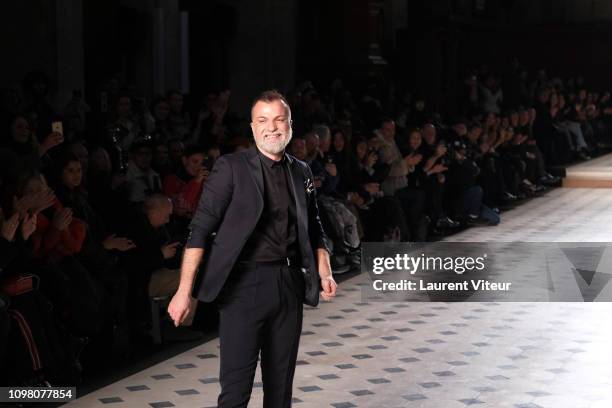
<point x="269" y="162"/>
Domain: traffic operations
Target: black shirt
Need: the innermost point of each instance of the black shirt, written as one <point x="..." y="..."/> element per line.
<point x="275" y="235"/>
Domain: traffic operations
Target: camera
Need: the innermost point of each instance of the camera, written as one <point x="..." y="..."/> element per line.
<point x="115" y="133"/>
<point x="208" y="162"/>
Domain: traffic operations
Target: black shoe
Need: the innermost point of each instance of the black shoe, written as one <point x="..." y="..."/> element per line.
<point x="507" y="196"/>
<point x="446" y="222"/>
<point x="539" y="188"/>
<point x="582" y="155"/>
<point x="549" y="180"/>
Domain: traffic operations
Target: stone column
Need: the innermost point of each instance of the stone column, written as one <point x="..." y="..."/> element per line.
<point x="70" y="52"/>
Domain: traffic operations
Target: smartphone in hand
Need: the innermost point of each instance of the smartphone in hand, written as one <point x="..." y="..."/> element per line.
<point x="57" y="127"/>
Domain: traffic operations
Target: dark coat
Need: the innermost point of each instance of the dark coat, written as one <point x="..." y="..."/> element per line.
<point x="232" y="203"/>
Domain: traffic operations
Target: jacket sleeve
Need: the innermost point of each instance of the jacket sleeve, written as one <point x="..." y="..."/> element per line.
<point x="216" y="196"/>
<point x="318" y="238"/>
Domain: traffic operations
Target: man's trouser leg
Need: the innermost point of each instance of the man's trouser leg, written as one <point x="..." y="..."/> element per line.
<point x="259" y="310"/>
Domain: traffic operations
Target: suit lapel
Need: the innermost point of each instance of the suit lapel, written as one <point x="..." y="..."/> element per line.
<point x="256" y="172"/>
<point x="299" y="194"/>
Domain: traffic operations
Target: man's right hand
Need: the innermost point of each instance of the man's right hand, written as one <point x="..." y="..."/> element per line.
<point x="179" y="307"/>
<point x="169" y="250"/>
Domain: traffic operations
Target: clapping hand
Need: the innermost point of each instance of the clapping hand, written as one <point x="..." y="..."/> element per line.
<point x="9" y="226"/>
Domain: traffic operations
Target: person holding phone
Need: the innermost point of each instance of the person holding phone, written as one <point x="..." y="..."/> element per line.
<point x="185" y="187"/>
<point x="30" y="154"/>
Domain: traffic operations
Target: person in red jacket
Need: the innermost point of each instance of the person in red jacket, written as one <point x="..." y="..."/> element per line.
<point x="58" y="233"/>
<point x="185" y="187"/>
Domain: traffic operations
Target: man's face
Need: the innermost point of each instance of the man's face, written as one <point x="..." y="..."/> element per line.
<point x="160" y="216"/>
<point x="339" y="142"/>
<point x="324" y="143"/>
<point x="271" y="126"/>
<point x="312" y="143"/>
<point x="298" y="148"/>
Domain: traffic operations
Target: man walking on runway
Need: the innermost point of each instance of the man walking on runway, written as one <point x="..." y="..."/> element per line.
<point x="267" y="257"/>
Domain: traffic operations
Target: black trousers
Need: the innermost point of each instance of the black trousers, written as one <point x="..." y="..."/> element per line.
<point x="260" y="310"/>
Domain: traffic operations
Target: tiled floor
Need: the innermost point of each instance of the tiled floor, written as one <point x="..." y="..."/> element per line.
<point x="443" y="355"/>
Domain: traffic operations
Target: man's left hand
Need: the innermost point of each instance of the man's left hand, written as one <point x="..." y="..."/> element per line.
<point x="329" y="286"/>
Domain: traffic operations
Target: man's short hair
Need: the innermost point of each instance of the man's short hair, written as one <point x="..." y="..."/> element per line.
<point x="155" y="201"/>
<point x="269" y="96"/>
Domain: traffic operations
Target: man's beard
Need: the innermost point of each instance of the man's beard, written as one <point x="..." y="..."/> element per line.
<point x="274" y="146"/>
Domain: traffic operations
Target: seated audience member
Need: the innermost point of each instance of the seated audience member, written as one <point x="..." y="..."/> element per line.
<point x="185" y="187"/>
<point x="122" y="117"/>
<point x="465" y="195"/>
<point x="339" y="153"/>
<point x="175" y="155"/>
<point x="100" y="248"/>
<point x="56" y="242"/>
<point x="213" y="152"/>
<point x="23" y="142"/>
<point x="434" y="181"/>
<point x="298" y="148"/>
<point x="161" y="160"/>
<point x="549" y="140"/>
<point x="157" y="122"/>
<point x="324" y="170"/>
<point x="106" y="189"/>
<point x="41" y="354"/>
<point x="179" y="121"/>
<point x="382" y="217"/>
<point x="390" y="154"/>
<point x="141" y="179"/>
<point x="153" y="265"/>
<point x="312" y="142"/>
<point x="212" y="122"/>
<point x="533" y="152"/>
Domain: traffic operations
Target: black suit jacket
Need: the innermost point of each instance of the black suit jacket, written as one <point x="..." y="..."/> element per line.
<point x="231" y="204"/>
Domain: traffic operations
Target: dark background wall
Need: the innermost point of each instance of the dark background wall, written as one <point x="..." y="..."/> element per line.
<point x="27" y="39"/>
<point x="426" y="45"/>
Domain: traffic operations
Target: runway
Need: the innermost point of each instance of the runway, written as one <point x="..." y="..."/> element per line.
<point x="595" y="173"/>
<point x="442" y="355"/>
